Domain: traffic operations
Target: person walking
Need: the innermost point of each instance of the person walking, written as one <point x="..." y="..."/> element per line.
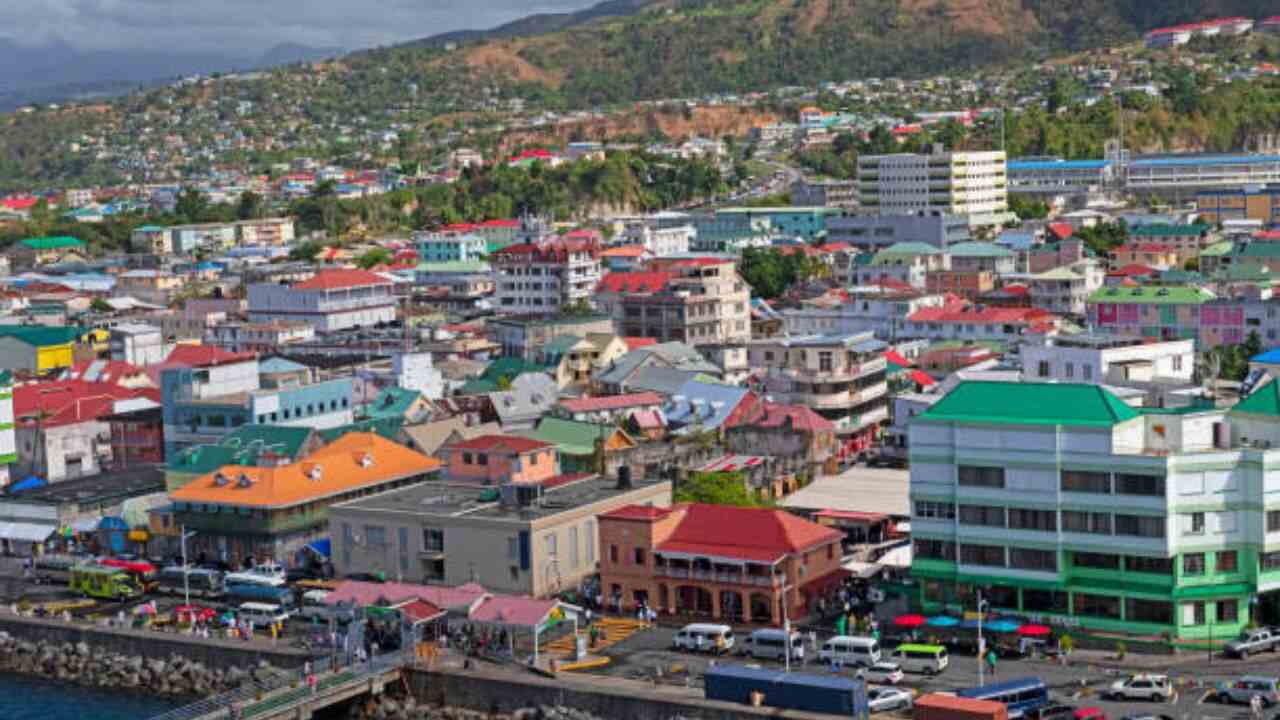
<point x="991" y="661"/>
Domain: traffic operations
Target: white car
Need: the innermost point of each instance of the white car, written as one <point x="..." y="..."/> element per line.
<point x="1142" y="687"/>
<point x="883" y="673"/>
<point x="887" y="698"/>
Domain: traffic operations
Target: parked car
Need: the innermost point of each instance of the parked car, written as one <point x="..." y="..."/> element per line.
<point x="884" y="673"/>
<point x="888" y="698"/>
<point x="1089" y="713"/>
<point x="194" y="613"/>
<point x="1242" y="691"/>
<point x="1147" y="716"/>
<point x="1142" y="687"/>
<point x="1050" y="712"/>
<point x="1253" y="641"/>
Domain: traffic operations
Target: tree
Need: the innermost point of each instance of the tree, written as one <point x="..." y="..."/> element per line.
<point x="306" y="252"/>
<point x="373" y="258"/>
<point x="191" y="205"/>
<point x="251" y="206"/>
<point x="724" y="488"/>
<point x="101" y="306"/>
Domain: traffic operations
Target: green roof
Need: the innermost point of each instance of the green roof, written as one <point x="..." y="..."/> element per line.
<point x="573" y="438"/>
<point x="388" y="428"/>
<point x="454" y="266"/>
<point x="1155" y="231"/>
<point x="1263" y="401"/>
<point x="392" y="402"/>
<point x="42" y="336"/>
<point x="52" y="243"/>
<point x="978" y="250"/>
<point x="560" y="345"/>
<point x="1218" y="249"/>
<point x="909" y="248"/>
<point x="1261" y="250"/>
<point x="243" y="446"/>
<point x="1163" y="295"/>
<point x="1030" y="404"/>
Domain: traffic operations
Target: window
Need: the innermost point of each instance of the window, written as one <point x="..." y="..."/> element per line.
<point x="1086" y="522"/>
<point x="1043" y="369"/>
<point x="613" y="553"/>
<point x="1193" y="564"/>
<point x="513" y="548"/>
<point x="1177" y="363"/>
<point x="638" y="557"/>
<point x="1197" y="523"/>
<point x="591" y="541"/>
<point x="971" y="476"/>
<point x="936" y="510"/>
<point x="433" y="541"/>
<point x="482" y="459"/>
<point x="1139" y="526"/>
<point x="1025" y="559"/>
<point x="403" y="535"/>
<point x="1150" y="485"/>
<point x="1153" y="565"/>
<point x="1086" y="482"/>
<point x="824" y="361"/>
<point x="1043" y="520"/>
<point x="553" y="542"/>
<point x="1273" y="521"/>
<point x="1100" y="561"/>
<point x="1149" y="611"/>
<point x="1086" y="371"/>
<point x="1044" y="601"/>
<point x="1197" y="613"/>
<point x="533" y="459"/>
<point x="1226" y="561"/>
<point x="982" y="515"/>
<point x="1227" y="611"/>
<point x="1269" y="561"/>
<point x="1071" y="370"/>
<point x="466" y="459"/>
<point x="573" y="547"/>
<point x="1102" y="606"/>
<point x="934" y="549"/>
<point x="990" y="555"/>
<point x="375" y="535"/>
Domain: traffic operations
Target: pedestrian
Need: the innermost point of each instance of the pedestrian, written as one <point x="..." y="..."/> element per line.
<point x="991" y="661"/>
<point x="313" y="683"/>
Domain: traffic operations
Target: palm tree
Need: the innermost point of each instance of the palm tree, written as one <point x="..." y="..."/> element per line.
<point x="1209" y="369"/>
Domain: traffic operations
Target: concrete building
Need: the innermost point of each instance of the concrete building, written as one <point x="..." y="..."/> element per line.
<point x="908" y="263"/>
<point x="439" y="247"/>
<point x="525" y="338"/>
<point x="659" y="241"/>
<point x="876" y="309"/>
<point x="1107" y="360"/>
<point x="8" y="439"/>
<point x="59" y="430"/>
<point x="157" y="287"/>
<point x="531" y="539"/>
<point x="1068" y="506"/>
<point x="151" y="239"/>
<point x="29" y="519"/>
<point x="138" y="344"/>
<point x="542" y="277"/>
<point x="971" y="184"/>
<point x="806" y="223"/>
<point x="259" y="337"/>
<point x="978" y="257"/>
<point x="332" y="301"/>
<point x="872" y="233"/>
<point x="1253" y="202"/>
<point x="1066" y="290"/>
<point x="495" y="459"/>
<point x="825" y="193"/>
<point x="698" y="301"/>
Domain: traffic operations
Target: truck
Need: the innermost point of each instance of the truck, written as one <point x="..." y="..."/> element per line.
<point x="1253" y="641"/>
<point x="942" y="706"/>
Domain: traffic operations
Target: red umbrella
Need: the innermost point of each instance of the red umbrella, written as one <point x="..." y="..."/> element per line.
<point x="1034" y="631"/>
<point x="910" y="621"/>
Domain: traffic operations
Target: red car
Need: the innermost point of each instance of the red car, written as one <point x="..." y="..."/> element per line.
<point x="1089" y="713"/>
<point x="194" y="613"/>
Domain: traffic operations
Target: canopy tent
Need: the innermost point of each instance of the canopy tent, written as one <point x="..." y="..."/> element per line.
<point x="29" y="482"/>
<point x="26" y="532"/>
<point x="85" y="524"/>
<point x="322" y="547"/>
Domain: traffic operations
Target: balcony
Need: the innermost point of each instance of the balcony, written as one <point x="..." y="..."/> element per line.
<point x="717" y="576"/>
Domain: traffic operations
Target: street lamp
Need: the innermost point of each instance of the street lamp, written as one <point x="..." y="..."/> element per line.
<point x="186" y="569"/>
<point x="982" y="606"/>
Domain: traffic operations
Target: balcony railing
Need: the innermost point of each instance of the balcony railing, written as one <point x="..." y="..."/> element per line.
<point x="729" y="578"/>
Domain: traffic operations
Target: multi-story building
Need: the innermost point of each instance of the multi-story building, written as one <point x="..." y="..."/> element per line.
<point x="151" y="239"/>
<point x="1188" y="240"/>
<point x="275" y="232"/>
<point x="909" y="263"/>
<point x="542" y="276"/>
<point x="1179" y="177"/>
<point x="331" y="301"/>
<point x="976" y="257"/>
<point x="1160" y="313"/>
<point x="38" y="252"/>
<point x="138" y="344"/>
<point x="1066" y="290"/>
<point x="877" y="309"/>
<point x="495" y="459"/>
<point x="524" y="338"/>
<point x="259" y="337"/>
<point x="272" y="512"/>
<point x="872" y="233"/>
<point x="659" y="241"/>
<point x="971" y="184"/>
<point x="157" y="287"/>
<point x="8" y="439"/>
<point x="438" y="247"/>
<point x="59" y="428"/>
<point x="1064" y="504"/>
<point x="967" y="321"/>
<point x="1107" y="360"/>
<point x="1055" y="176"/>
<point x="699" y="302"/>
<point x="726" y="563"/>
<point x="808" y="223"/>
<point x="825" y="193"/>
<point x="527" y="538"/>
<point x="840" y="377"/>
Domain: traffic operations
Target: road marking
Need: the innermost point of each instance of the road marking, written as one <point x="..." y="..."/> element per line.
<point x="1205" y="697"/>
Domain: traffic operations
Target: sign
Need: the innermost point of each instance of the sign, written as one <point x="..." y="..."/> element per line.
<point x="139" y="536"/>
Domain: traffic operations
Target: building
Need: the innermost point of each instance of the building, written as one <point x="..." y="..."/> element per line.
<point x="138" y="344"/>
<point x="157" y="287"/>
<point x="136" y="437"/>
<point x="1260" y="203"/>
<point x="1066" y="290"/>
<point x="1068" y="506"/>
<point x="726" y="563"/>
<point x="801" y="441"/>
<point x="497" y="459"/>
<point x="699" y="302"/>
<point x="976" y="323"/>
<point x="38" y="252"/>
<point x="59" y="428"/>
<point x="825" y="193"/>
<point x="806" y="223"/>
<point x="980" y="257"/>
<point x="544" y="276"/>
<point x="151" y="239"/>
<point x="1158" y="313"/>
<point x="573" y="361"/>
<point x="1178" y="177"/>
<point x="273" y="512"/>
<point x="872" y="233"/>
<point x="1055" y="176"/>
<point x="37" y="348"/>
<point x="525" y="337"/>
<point x="840" y="377"/>
<point x="272" y="232"/>
<point x="259" y="337"/>
<point x="439" y="247"/>
<point x="332" y="301"/>
<point x="8" y="439"/>
<point x="76" y="508"/>
<point x="532" y="539"/>
<point x="607" y="408"/>
<point x="878" y="309"/>
<point x="971" y="184"/>
<point x="1108" y="360"/>
<point x="909" y="263"/>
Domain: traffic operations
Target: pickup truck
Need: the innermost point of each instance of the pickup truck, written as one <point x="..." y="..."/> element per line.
<point x="1253" y="641"/>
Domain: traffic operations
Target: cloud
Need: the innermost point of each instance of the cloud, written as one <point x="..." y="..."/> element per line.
<point x="249" y="27"/>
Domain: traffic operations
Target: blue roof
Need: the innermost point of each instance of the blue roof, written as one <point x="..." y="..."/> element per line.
<point x="1057" y="164"/>
<point x="1206" y="160"/>
<point x="714" y="403"/>
<point x="1270" y="356"/>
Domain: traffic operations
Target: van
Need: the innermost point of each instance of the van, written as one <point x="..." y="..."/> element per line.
<point x="926" y="659"/>
<point x="850" y="650"/>
<point x="263" y="614"/>
<point x="314" y="606"/>
<point x="704" y="637"/>
<point x="771" y="643"/>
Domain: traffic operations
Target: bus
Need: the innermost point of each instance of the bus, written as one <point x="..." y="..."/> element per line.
<point x="917" y="658"/>
<point x="242" y="593"/>
<point x="107" y="583"/>
<point x="1020" y="695"/>
<point x="54" y="569"/>
<point x="145" y="575"/>
<point x="200" y="582"/>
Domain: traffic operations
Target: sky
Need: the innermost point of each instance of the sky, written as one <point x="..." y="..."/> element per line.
<point x="250" y="27"/>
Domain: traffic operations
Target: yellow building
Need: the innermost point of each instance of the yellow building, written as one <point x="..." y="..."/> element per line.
<point x="1255" y="203"/>
<point x="38" y="348"/>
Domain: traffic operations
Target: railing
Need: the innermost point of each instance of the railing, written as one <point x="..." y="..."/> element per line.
<point x="719" y="577"/>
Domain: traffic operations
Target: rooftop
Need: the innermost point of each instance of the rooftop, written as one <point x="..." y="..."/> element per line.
<point x="103" y="489"/>
<point x="341" y="279"/>
<point x="1030" y="404"/>
<point x="1164" y="295"/>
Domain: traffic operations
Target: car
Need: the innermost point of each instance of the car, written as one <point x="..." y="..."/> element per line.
<point x="194" y="613"/>
<point x="1242" y="691"/>
<point x="884" y="673"/>
<point x="1050" y="712"/>
<point x="888" y="698"/>
<point x="1147" y="716"/>
<point x="1142" y="687"/>
<point x="1089" y="713"/>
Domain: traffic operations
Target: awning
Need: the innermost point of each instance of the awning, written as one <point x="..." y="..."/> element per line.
<point x="322" y="547"/>
<point x="863" y="570"/>
<point x="29" y="482"/>
<point x="85" y="524"/>
<point x="1211" y="591"/>
<point x="112" y="522"/>
<point x="26" y="532"/>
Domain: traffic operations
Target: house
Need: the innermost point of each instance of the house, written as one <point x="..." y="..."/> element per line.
<point x="542" y="276"/>
<point x="38" y="349"/>
<point x="906" y="262"/>
<point x="59" y="425"/>
<point x="671" y="359"/>
<point x="531" y="396"/>
<point x="1152" y="254"/>
<point x="980" y="257"/>
<point x="138" y="344"/>
<point x="38" y="252"/>
<point x="428" y="437"/>
<point x="408" y="406"/>
<point x="524" y="337"/>
<point x="802" y="438"/>
<point x="1162" y="313"/>
<point x="607" y="408"/>
<point x="574" y="361"/>
<point x="254" y="444"/>
<point x="496" y="459"/>
<point x="725" y="563"/>
<point x="1108" y="359"/>
<point x="332" y="301"/>
<point x="534" y="539"/>
<point x="703" y="301"/>
<point x="967" y="321"/>
<point x="270" y="513"/>
<point x="260" y="337"/>
<point x="1066" y="290"/>
<point x="442" y="247"/>
<point x="584" y="446"/>
<point x="136" y="437"/>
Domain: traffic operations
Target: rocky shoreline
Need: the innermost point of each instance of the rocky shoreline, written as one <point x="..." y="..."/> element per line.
<point x="82" y="664"/>
<point x="388" y="707"/>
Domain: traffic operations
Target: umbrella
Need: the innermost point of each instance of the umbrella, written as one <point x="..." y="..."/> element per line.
<point x="1034" y="630"/>
<point x="910" y="621"/>
<point x="1002" y="626"/>
<point x="943" y="621"/>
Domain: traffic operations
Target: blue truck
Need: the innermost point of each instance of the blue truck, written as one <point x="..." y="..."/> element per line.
<point x="829" y="694"/>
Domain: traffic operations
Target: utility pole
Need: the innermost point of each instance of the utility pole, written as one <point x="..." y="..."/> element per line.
<point x="982" y="646"/>
<point x="186" y="569"/>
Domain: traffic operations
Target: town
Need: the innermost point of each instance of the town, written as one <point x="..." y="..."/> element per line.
<point x="878" y="396"/>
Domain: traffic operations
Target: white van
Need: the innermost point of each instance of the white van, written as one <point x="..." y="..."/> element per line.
<point x="850" y="650"/>
<point x="704" y="637"/>
<point x="926" y="659"/>
<point x="314" y="606"/>
<point x="771" y="643"/>
<point x="263" y="614"/>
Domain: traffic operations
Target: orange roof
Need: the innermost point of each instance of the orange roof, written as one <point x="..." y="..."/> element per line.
<point x="340" y="279"/>
<point x="353" y="461"/>
<point x="631" y="251"/>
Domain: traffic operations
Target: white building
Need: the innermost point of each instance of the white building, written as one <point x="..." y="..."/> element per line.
<point x="957" y="183"/>
<point x="1065" y="290"/>
<point x="660" y="242"/>
<point x="541" y="277"/>
<point x="138" y="344"/>
<point x="874" y="309"/>
<point x="1108" y="360"/>
<point x="8" y="440"/>
<point x="333" y="300"/>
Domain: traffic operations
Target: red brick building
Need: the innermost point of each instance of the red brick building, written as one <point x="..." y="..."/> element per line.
<point x="729" y="563"/>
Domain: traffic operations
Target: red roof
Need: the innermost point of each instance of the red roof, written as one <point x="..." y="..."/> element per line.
<point x="771" y="415"/>
<point x="1061" y="230"/>
<point x="538" y="154"/>
<point x="627" y="251"/>
<point x="203" y="356"/>
<point x="922" y="378"/>
<point x="419" y="610"/>
<point x="893" y="357"/>
<point x="758" y="534"/>
<point x="610" y="402"/>
<point x="525" y="612"/>
<point x="634" y="282"/>
<point x="500" y="224"/>
<point x="634" y="343"/>
<point x="1133" y="269"/>
<point x="637" y="512"/>
<point x="1267" y="235"/>
<point x="971" y="314"/>
<point x="67" y="402"/>
<point x="369" y="593"/>
<point x="20" y="203"/>
<point x="553" y="250"/>
<point x="105" y="371"/>
<point x="491" y="443"/>
<point x="340" y="279"/>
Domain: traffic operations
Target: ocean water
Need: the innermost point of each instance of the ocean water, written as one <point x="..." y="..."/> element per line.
<point x="28" y="698"/>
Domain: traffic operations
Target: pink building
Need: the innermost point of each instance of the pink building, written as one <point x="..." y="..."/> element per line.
<point x="497" y="459"/>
